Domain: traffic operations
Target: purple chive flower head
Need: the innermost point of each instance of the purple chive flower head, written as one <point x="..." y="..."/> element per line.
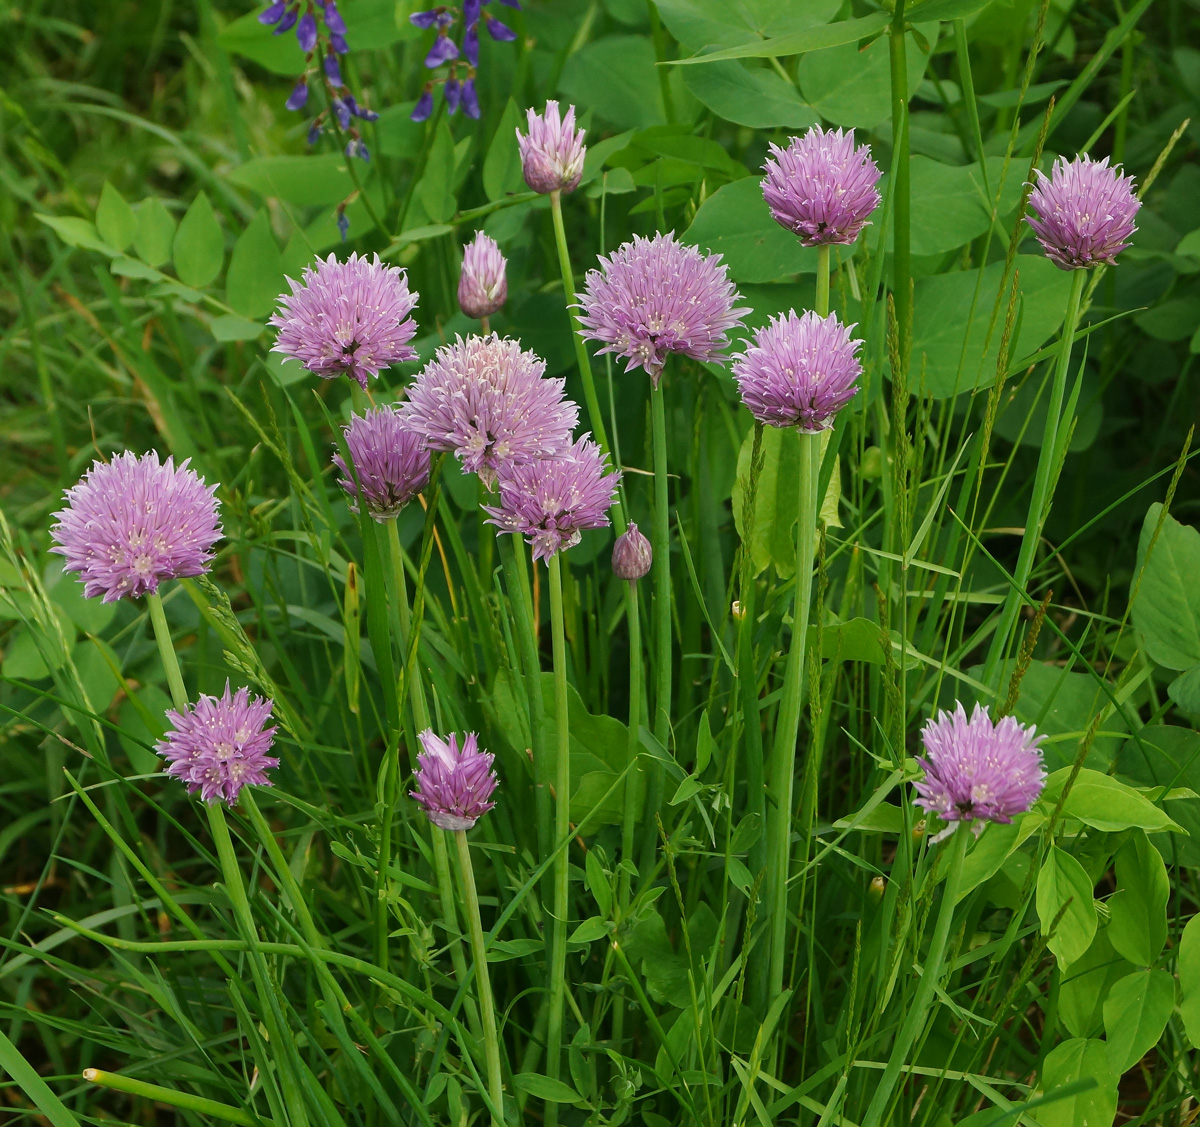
<point x="133" y="522"/>
<point x="350" y="317"/>
<point x="632" y="555"/>
<point x="821" y="187"/>
<point x="482" y="286"/>
<point x="1085" y="212"/>
<point x="391" y="463"/>
<point x="454" y="785"/>
<point x="551" y="501"/>
<point x="552" y="152"/>
<point x="799" y="372"/>
<point x="219" y="745"/>
<point x="487" y="400"/>
<point x="656" y="296"/>
<point x="979" y="771"/>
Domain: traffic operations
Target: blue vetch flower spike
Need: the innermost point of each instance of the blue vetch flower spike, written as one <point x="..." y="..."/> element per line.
<point x="306" y="32"/>
<point x="299" y="95"/>
<point x="274" y="13"/>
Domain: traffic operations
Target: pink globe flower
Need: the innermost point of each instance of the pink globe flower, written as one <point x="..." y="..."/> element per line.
<point x="390" y="462"/>
<point x="1085" y="212"/>
<point x="454" y="785"/>
<point x="219" y="745"/>
<point x="482" y="285"/>
<point x="552" y="152"/>
<point x="347" y="318"/>
<point x="978" y="771"/>
<point x="821" y="187"/>
<point x="133" y="522"/>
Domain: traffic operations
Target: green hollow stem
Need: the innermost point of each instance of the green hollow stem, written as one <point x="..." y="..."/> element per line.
<point x="581" y="355"/>
<point x="822" y="304"/>
<point x="172" y="1097"/>
<point x="662" y="570"/>
<point x="1042" y="485"/>
<point x="562" y="827"/>
<point x="166" y="651"/>
<point x="516" y="579"/>
<point x="483" y="982"/>
<point x="902" y="195"/>
<point x="931" y="973"/>
<point x="787" y="730"/>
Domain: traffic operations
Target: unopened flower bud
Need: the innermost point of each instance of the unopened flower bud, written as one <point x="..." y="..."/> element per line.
<point x="876" y="887"/>
<point x="482" y="288"/>
<point x="632" y="554"/>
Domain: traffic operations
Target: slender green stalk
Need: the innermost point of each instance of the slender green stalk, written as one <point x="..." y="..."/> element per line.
<point x="483" y="982"/>
<point x="901" y="197"/>
<point x="661" y="543"/>
<point x="787" y="730"/>
<point x="1043" y="486"/>
<point x="931" y="973"/>
<point x="166" y="651"/>
<point x="822" y="309"/>
<point x="562" y="827"/>
<point x="581" y="355"/>
<point x="172" y="1097"/>
<point x="635" y="784"/>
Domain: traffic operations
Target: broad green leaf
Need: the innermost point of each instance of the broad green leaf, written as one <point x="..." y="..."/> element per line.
<point x="255" y="275"/>
<point x="199" y="247"/>
<point x="1111" y="806"/>
<point x="502" y="166"/>
<point x="1137" y="925"/>
<point x="797" y="42"/>
<point x="1166" y="610"/>
<point x="734" y="222"/>
<point x="1189" y="979"/>
<point x="945" y="9"/>
<point x="155" y="232"/>
<point x="23" y="659"/>
<point x="231" y="327"/>
<point x="66" y="592"/>
<point x="307" y="181"/>
<point x="1063" y="883"/>
<point x="247" y="37"/>
<point x="988" y="854"/>
<point x="589" y="931"/>
<point x="115" y="220"/>
<point x="1068" y="1063"/>
<point x="882" y="819"/>
<point x="1135" y="1016"/>
<point x="544" y="1088"/>
<point x="851" y="87"/>
<point x="435" y="189"/>
<point x="76" y="232"/>
<point x="617" y="78"/>
<point x="598" y="883"/>
<point x="698" y="24"/>
<point x="942" y="321"/>
<point x="1084" y="988"/>
<point x="125" y="267"/>
<point x="752" y="96"/>
<point x="396" y="132"/>
<point x="1185" y="690"/>
<point x="775" y="504"/>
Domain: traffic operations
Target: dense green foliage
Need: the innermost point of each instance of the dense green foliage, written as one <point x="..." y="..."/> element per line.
<point x="155" y="193"/>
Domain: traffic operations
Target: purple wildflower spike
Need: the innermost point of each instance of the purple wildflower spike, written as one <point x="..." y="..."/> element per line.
<point x="442" y="51"/>
<point x="314" y="131"/>
<point x="502" y="33"/>
<point x="298" y="96"/>
<point x="333" y="18"/>
<point x="424" y="20"/>
<point x="219" y="745"/>
<point x="470" y="99"/>
<point x="800" y="371"/>
<point x="482" y="285"/>
<point x="632" y="555"/>
<point x="453" y="785"/>
<point x="821" y="187"/>
<point x="333" y="70"/>
<point x="347" y="317"/>
<point x="424" y="106"/>
<point x="341" y="111"/>
<point x="655" y="296"/>
<point x="452" y="92"/>
<point x="487" y="400"/>
<point x="1085" y="212"/>
<point x="551" y="501"/>
<point x="306" y="32"/>
<point x="470" y="45"/>
<point x="552" y="153"/>
<point x="343" y="223"/>
<point x="338" y="43"/>
<point x="287" y="22"/>
<point x="978" y="771"/>
<point x="133" y="522"/>
<point x="471" y="10"/>
<point x="390" y="461"/>
<point x="274" y="13"/>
